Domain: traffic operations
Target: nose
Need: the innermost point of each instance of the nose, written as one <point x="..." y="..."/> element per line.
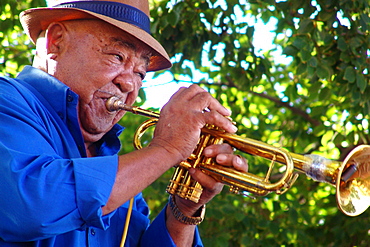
<point x="125" y="82"/>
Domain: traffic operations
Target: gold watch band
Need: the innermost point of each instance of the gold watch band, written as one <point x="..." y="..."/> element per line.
<point x="183" y="218"/>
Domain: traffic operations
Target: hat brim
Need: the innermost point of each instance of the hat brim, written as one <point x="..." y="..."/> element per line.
<point x="34" y="21"/>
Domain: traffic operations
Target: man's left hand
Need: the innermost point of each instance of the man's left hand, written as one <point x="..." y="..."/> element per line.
<point x="223" y="154"/>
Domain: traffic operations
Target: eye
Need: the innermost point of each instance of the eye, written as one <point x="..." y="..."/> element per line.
<point x="141" y="75"/>
<point x="119" y="57"/>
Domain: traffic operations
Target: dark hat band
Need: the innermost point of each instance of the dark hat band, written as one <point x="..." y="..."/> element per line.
<point x="115" y="10"/>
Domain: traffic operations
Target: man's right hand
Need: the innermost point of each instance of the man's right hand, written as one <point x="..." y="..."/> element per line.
<point x="183" y="117"/>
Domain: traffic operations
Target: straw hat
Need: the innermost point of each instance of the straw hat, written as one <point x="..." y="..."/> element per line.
<point x="132" y="16"/>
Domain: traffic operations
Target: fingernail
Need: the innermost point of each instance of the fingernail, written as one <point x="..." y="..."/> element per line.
<point x="207" y="152"/>
<point x="234" y="128"/>
<point x="221" y="157"/>
<point x="191" y="171"/>
<point x="238" y="160"/>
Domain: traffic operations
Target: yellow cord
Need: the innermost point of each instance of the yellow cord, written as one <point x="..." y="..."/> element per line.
<point x="125" y="229"/>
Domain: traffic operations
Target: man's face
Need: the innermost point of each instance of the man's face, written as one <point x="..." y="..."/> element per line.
<point x="100" y="61"/>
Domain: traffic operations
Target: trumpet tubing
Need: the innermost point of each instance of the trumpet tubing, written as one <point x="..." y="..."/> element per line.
<point x="351" y="177"/>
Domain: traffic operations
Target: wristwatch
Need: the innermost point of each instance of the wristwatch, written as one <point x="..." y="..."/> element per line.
<point x="189" y="220"/>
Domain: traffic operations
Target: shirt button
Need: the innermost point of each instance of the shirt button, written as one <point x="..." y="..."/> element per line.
<point x="69" y="98"/>
<point x="92" y="231"/>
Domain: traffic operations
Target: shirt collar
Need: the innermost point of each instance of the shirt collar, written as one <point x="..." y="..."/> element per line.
<point x="53" y="90"/>
<point x="56" y="93"/>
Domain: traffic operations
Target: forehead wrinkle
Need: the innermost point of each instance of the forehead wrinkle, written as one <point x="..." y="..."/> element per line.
<point x="126" y="44"/>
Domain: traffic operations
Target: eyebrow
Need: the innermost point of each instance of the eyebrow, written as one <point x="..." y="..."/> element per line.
<point x="124" y="43"/>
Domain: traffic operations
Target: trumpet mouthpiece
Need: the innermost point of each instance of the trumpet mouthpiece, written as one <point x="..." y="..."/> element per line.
<point x="115" y="104"/>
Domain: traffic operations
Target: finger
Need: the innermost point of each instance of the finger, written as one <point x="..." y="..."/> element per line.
<point x="182" y="92"/>
<point x="204" y="108"/>
<point x="213" y="150"/>
<point x="187" y="94"/>
<point x="236" y="161"/>
<point x="208" y="183"/>
<point x="199" y="99"/>
<point x="225" y="159"/>
<point x="215" y="118"/>
<point x="206" y="102"/>
<point x="240" y="163"/>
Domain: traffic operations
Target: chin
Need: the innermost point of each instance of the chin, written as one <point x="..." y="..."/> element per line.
<point x="94" y="136"/>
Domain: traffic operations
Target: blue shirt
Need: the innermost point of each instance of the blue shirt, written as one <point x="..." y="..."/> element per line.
<point x="51" y="193"/>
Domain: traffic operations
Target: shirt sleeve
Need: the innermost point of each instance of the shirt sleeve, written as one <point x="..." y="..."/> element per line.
<point x="46" y="189"/>
<point x="51" y="196"/>
<point x="157" y="233"/>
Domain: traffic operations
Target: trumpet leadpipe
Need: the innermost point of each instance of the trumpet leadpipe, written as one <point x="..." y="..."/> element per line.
<point x="115" y="104"/>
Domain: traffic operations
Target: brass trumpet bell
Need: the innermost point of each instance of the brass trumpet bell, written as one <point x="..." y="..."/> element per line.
<point x="351" y="177"/>
<point x="353" y="187"/>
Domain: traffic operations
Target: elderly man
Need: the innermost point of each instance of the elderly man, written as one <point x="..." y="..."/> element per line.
<point x="62" y="182"/>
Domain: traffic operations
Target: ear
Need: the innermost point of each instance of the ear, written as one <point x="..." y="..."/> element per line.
<point x="55" y="36"/>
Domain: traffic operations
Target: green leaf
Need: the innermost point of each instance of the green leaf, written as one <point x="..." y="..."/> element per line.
<point x="355" y="42"/>
<point x="325" y="15"/>
<point x="330" y="61"/>
<point x="319" y="131"/>
<point x="317" y="110"/>
<point x="301" y="68"/>
<point x="300" y="43"/>
<point x="324" y="94"/>
<point x="361" y="82"/>
<point x="350" y="74"/>
<point x="290" y="50"/>
<point x="342" y="45"/>
<point x="173" y="18"/>
<point x="167" y="31"/>
<point x="313" y="62"/>
<point x="305" y="26"/>
<point x="306" y="56"/>
<point x="345" y="56"/>
<point x="323" y="71"/>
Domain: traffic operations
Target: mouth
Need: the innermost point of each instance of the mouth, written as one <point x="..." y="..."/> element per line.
<point x="108" y="99"/>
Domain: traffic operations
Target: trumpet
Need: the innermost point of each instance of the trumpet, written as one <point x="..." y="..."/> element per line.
<point x="350" y="177"/>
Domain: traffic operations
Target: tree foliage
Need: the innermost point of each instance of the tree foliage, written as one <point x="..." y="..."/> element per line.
<point x="318" y="102"/>
<point x="16" y="49"/>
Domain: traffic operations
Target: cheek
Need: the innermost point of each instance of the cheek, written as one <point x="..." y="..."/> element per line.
<point x="94" y="117"/>
<point x="131" y="97"/>
<point x="91" y="73"/>
<point x="91" y="82"/>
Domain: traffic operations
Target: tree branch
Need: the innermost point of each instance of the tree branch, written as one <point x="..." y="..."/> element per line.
<point x="277" y="101"/>
<point x="295" y="110"/>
